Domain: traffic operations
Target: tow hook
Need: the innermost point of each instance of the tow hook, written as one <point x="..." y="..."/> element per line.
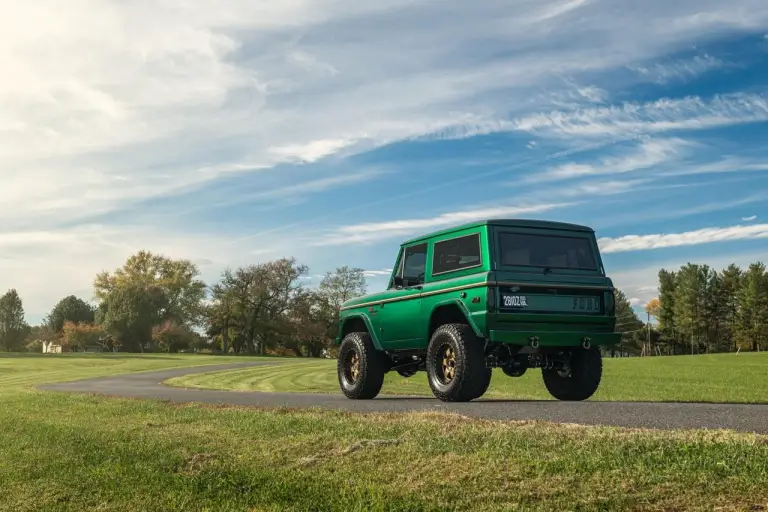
<point x="533" y="341"/>
<point x="585" y="343"/>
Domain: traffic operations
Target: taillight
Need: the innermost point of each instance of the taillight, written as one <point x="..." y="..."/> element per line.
<point x="610" y="304"/>
<point x="490" y="299"/>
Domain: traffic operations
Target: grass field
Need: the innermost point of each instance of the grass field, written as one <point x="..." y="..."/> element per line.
<point x="77" y="452"/>
<point x="707" y="378"/>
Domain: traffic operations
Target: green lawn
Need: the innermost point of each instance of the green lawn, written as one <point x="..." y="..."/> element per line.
<point x="76" y="452"/>
<point x="712" y="378"/>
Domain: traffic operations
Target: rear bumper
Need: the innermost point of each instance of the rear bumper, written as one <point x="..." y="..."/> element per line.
<point x="553" y="338"/>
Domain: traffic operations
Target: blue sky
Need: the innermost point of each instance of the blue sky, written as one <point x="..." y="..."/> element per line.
<point x="332" y="130"/>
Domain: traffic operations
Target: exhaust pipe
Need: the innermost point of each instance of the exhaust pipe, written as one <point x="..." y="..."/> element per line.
<point x="585" y="344"/>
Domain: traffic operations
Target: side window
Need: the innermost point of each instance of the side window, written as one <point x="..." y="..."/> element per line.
<point x="414" y="264"/>
<point x="456" y="254"/>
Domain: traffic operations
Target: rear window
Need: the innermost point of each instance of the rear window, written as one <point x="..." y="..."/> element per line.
<point x="456" y="254"/>
<point x="547" y="251"/>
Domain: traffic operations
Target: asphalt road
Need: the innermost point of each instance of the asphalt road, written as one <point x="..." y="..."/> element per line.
<point x="740" y="417"/>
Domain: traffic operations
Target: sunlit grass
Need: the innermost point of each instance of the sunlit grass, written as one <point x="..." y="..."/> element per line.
<point x="76" y="452"/>
<point x="737" y="378"/>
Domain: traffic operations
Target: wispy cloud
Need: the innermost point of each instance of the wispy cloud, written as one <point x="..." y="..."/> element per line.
<point x="729" y="164"/>
<point x="697" y="237"/>
<point x="690" y="113"/>
<point x="378" y="273"/>
<point x="375" y="231"/>
<point x="302" y="189"/>
<point x="647" y="154"/>
<point x="663" y="72"/>
<point x="558" y="9"/>
<point x="311" y="151"/>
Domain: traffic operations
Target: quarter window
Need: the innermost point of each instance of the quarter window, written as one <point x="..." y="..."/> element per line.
<point x="456" y="254"/>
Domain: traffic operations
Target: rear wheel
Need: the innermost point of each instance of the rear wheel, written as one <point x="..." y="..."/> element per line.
<point x="483" y="382"/>
<point x="360" y="367"/>
<point x="456" y="364"/>
<point x="579" y="380"/>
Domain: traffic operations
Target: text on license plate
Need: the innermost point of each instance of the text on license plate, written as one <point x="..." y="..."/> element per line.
<point x="563" y="303"/>
<point x="515" y="301"/>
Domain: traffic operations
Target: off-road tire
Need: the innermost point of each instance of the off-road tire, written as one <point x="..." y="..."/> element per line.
<point x="372" y="367"/>
<point x="483" y="382"/>
<point x="586" y="369"/>
<point x="470" y="374"/>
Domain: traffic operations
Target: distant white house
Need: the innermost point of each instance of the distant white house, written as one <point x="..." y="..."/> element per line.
<point x="50" y="347"/>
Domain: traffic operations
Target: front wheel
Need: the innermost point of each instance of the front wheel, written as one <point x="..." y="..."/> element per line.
<point x="579" y="380"/>
<point x="456" y="364"/>
<point x="360" y="367"/>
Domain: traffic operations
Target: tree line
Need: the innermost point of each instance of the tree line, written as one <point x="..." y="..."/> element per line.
<point x="154" y="303"/>
<point x="702" y="310"/>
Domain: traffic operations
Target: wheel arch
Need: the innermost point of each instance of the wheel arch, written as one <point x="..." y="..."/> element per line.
<point x="357" y="323"/>
<point x="448" y="312"/>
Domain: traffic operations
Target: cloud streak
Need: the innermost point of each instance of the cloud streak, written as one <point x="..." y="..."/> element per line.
<point x="690" y="113"/>
<point x="647" y="154"/>
<point x="664" y="72"/>
<point x="376" y="231"/>
<point x="665" y="240"/>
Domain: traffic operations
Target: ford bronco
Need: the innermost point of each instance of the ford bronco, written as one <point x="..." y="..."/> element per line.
<point x="509" y="294"/>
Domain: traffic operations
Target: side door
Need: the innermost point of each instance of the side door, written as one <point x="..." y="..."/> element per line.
<point x="400" y="315"/>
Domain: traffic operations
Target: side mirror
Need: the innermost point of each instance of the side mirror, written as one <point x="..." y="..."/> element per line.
<point x="397" y="282"/>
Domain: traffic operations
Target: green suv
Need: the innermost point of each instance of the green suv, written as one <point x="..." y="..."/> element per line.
<point x="513" y="294"/>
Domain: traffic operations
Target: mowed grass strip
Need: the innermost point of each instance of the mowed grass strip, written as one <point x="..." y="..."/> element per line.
<point x="73" y="452"/>
<point x="21" y="371"/>
<point x="63" y="452"/>
<point x="721" y="378"/>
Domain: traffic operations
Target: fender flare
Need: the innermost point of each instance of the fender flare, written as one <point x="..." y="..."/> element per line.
<point x="368" y="325"/>
<point x="463" y="308"/>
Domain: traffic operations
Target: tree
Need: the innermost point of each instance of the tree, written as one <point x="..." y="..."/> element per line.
<point x="148" y="290"/>
<point x="256" y="300"/>
<point x="171" y="337"/>
<point x="129" y="312"/>
<point x="309" y="322"/>
<point x="13" y="327"/>
<point x="628" y="323"/>
<point x="752" y="325"/>
<point x="730" y="286"/>
<point x="692" y="308"/>
<point x="342" y="285"/>
<point x="337" y="287"/>
<point x="221" y="312"/>
<point x="666" y="316"/>
<point x="653" y="308"/>
<point x="174" y="281"/>
<point x="70" y="309"/>
<point x="81" y="335"/>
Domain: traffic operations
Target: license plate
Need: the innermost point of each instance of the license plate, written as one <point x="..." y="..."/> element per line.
<point x="549" y="303"/>
<point x="515" y="301"/>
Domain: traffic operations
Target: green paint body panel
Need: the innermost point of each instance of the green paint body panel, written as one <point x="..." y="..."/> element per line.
<point x="561" y="306"/>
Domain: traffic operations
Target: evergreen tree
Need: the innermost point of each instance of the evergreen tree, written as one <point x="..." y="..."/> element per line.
<point x="13" y="327"/>
<point x="752" y="326"/>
